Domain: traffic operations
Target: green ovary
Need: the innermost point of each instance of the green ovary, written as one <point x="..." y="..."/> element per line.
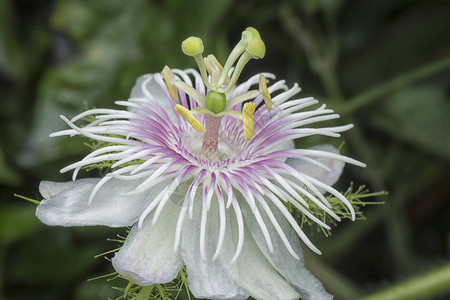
<point x="215" y="102"/>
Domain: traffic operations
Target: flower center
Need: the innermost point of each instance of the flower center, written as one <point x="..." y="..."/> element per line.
<point x="211" y="144"/>
<point x="217" y="79"/>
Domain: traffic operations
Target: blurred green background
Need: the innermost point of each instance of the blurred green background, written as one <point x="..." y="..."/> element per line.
<point x="384" y="65"/>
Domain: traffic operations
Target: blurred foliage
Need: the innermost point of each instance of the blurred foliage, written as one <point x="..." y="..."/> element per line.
<point x="419" y="116"/>
<point x="383" y="64"/>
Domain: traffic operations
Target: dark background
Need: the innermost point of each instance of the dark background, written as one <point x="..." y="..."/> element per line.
<point x="384" y="65"/>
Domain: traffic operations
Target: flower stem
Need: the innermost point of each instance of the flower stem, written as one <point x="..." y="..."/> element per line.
<point x="421" y="287"/>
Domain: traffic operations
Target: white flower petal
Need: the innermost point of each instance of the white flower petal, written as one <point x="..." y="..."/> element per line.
<point x="327" y="177"/>
<point x="207" y="278"/>
<point x="293" y="270"/>
<point x="259" y="277"/>
<point x="147" y="256"/>
<point x="66" y="203"/>
<point x="148" y="87"/>
<point x="51" y="188"/>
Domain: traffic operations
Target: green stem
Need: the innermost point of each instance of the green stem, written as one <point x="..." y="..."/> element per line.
<point x="424" y="286"/>
<point x="145" y="293"/>
<point x="127" y="288"/>
<point x="375" y="93"/>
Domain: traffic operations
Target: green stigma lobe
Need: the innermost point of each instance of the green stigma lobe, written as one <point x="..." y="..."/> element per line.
<point x="192" y="46"/>
<point x="215" y="102"/>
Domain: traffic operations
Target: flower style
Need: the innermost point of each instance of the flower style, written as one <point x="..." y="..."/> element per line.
<point x="204" y="184"/>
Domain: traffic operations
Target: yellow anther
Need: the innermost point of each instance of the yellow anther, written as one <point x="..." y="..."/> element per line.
<point x="247" y="120"/>
<point x="212" y="64"/>
<point x="192" y="46"/>
<point x="188" y="116"/>
<point x="169" y="79"/>
<point x="214" y="69"/>
<point x="264" y="92"/>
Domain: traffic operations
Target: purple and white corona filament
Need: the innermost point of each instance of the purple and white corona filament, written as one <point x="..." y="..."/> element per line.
<point x="203" y="175"/>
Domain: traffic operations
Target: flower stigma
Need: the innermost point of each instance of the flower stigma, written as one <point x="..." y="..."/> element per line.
<point x="216" y="104"/>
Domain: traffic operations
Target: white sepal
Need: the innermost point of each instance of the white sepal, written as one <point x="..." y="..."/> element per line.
<point x="66" y="203"/>
<point x="147" y="256"/>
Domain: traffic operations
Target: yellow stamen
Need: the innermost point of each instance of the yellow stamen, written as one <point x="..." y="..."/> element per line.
<point x="247" y="120"/>
<point x="188" y="116"/>
<point x="214" y="69"/>
<point x="169" y="79"/>
<point x="264" y="92"/>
